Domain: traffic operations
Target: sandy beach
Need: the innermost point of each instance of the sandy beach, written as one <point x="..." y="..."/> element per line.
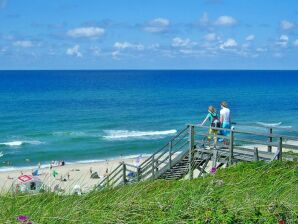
<point x="67" y="176"/>
<point x="65" y="179"/>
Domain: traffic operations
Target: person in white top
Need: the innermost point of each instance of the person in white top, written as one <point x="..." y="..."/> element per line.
<point x="225" y="117"/>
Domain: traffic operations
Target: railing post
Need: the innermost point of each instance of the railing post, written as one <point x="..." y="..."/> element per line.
<point x="124" y="173"/>
<point x="170" y="153"/>
<point x="191" y="148"/>
<point x="270" y="131"/>
<point x="280" y="148"/>
<point x="153" y="168"/>
<point x="138" y="174"/>
<point x="108" y="180"/>
<point x="256" y="154"/>
<point x="231" y="147"/>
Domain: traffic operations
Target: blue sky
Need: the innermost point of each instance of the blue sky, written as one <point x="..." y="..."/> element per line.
<point x="155" y="34"/>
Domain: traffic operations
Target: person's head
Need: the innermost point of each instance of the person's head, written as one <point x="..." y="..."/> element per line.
<point x="224" y="104"/>
<point x="211" y="109"/>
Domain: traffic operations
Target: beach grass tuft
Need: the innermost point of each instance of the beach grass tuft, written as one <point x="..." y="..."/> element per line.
<point x="243" y="193"/>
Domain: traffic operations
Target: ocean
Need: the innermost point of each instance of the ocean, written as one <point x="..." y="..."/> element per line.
<point x="82" y="116"/>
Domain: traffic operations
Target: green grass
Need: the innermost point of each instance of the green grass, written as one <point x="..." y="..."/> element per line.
<point x="244" y="193"/>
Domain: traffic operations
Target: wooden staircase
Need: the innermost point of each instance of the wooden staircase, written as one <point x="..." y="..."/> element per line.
<point x="181" y="169"/>
<point x="190" y="150"/>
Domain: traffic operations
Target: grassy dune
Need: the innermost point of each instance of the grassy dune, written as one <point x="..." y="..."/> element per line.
<point x="244" y="193"/>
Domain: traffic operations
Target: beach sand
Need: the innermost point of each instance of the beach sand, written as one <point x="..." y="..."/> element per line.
<point x="68" y="176"/>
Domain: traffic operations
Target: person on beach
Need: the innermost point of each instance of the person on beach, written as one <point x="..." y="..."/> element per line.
<point x="225" y="118"/>
<point x="213" y="118"/>
<point x="106" y="173"/>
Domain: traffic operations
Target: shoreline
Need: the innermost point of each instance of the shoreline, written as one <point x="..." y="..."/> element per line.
<point x="5" y="169"/>
<point x="69" y="175"/>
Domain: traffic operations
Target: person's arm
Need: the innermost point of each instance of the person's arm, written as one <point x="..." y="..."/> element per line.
<point x="204" y="121"/>
<point x="221" y="118"/>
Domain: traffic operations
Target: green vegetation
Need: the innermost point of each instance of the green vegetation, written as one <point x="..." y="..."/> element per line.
<point x="244" y="193"/>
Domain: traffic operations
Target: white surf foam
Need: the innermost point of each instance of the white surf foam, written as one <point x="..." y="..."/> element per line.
<point x="75" y="134"/>
<point x="269" y="124"/>
<point x="278" y="125"/>
<point x="20" y="143"/>
<point x="126" y="134"/>
<point x="285" y="127"/>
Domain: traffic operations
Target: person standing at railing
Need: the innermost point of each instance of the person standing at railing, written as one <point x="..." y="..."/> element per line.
<point x="225" y="121"/>
<point x="225" y="118"/>
<point x="213" y="118"/>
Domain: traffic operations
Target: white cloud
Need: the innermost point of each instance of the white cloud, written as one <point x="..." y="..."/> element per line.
<point x="74" y="51"/>
<point x="153" y="46"/>
<point x="284" y="38"/>
<point x="225" y="21"/>
<point x="86" y="32"/>
<point x="259" y="49"/>
<point x="115" y="54"/>
<point x="127" y="45"/>
<point x="286" y="25"/>
<point x="296" y="43"/>
<point x="283" y="41"/>
<point x="210" y="37"/>
<point x="179" y="42"/>
<point x="23" y="43"/>
<point x="250" y="37"/>
<point x="229" y="43"/>
<point x="157" y="25"/>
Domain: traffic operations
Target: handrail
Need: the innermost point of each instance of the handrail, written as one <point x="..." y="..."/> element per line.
<point x="133" y="166"/>
<point x="249" y="132"/>
<point x="173" y="145"/>
<point x="182" y="146"/>
<point x="264" y="126"/>
<point x="256" y="142"/>
<point x="108" y="176"/>
<point x="176" y="136"/>
<point x="115" y="174"/>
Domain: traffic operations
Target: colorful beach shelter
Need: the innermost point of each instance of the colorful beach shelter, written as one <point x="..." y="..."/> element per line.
<point x="27" y="184"/>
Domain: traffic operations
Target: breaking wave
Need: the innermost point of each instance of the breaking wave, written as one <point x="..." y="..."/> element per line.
<point x="20" y="143"/>
<point x="126" y="134"/>
<point x="278" y="125"/>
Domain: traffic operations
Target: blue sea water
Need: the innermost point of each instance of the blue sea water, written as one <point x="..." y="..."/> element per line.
<point x="93" y="115"/>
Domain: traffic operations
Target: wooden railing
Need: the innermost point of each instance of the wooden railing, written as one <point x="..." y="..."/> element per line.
<point x="256" y="142"/>
<point x="238" y="145"/>
<point x="152" y="167"/>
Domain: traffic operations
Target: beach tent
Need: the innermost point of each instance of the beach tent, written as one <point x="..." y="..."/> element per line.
<point x="27" y="184"/>
<point x="94" y="175"/>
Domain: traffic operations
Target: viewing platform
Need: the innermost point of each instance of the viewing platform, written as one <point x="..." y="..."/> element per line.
<point x="193" y="152"/>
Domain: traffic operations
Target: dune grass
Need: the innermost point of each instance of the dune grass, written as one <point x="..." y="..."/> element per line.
<point x="244" y="193"/>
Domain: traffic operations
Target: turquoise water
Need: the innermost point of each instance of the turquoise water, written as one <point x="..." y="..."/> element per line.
<point x="94" y="115"/>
